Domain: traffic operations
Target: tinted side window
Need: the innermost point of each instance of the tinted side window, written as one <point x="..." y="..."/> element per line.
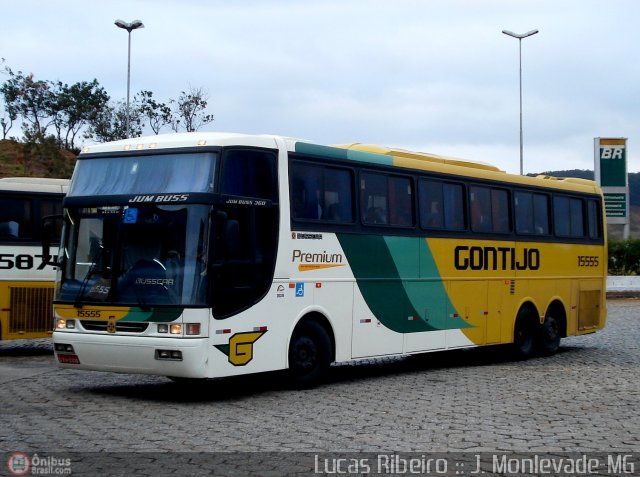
<point x="16" y="218"/>
<point x="524" y="212"/>
<point x="568" y="217"/>
<point x="453" y="206"/>
<point x="576" y="207"/>
<point x="594" y="219"/>
<point x="321" y="193"/>
<point x="500" y="211"/>
<point x="480" y="203"/>
<point x="431" y="204"/>
<point x="541" y="214"/>
<point x="400" y="201"/>
<point x="532" y="213"/>
<point x="441" y="205"/>
<point x="386" y="200"/>
<point x="374" y="199"/>
<point x="249" y="173"/>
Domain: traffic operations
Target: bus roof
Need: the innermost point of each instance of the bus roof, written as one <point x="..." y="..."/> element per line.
<point x="482" y="170"/>
<point x="356" y="151"/>
<point x="182" y="140"/>
<point x="34" y="184"/>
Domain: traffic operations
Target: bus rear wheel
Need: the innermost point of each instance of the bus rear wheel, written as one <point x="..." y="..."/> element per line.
<point x="549" y="336"/>
<point x="309" y="354"/>
<point x="524" y="335"/>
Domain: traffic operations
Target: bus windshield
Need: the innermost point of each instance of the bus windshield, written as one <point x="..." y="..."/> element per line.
<point x="169" y="173"/>
<point x="140" y="256"/>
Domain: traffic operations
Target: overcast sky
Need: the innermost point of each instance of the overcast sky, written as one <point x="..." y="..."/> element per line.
<point x="429" y="75"/>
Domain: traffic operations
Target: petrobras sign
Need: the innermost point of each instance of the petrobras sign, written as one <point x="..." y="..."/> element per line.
<point x="610" y="156"/>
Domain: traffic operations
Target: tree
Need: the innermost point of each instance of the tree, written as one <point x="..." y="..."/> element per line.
<point x="9" y="115"/>
<point x="74" y="107"/>
<point x="157" y="114"/>
<point x="30" y="99"/>
<point x="6" y="121"/>
<point x="189" y="110"/>
<point x="110" y="124"/>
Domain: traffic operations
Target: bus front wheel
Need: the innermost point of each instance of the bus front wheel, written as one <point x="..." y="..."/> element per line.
<point x="309" y="354"/>
<point x="524" y="335"/>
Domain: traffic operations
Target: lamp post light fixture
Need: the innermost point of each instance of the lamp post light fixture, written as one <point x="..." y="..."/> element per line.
<point x="134" y="25"/>
<point x="520" y="36"/>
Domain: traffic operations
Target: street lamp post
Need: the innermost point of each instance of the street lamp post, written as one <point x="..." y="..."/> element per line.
<point x="134" y="25"/>
<point x="520" y="37"/>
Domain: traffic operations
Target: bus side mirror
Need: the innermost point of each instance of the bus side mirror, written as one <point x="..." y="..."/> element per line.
<point x="51" y="224"/>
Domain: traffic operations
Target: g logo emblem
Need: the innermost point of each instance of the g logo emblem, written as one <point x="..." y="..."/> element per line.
<point x="240" y="347"/>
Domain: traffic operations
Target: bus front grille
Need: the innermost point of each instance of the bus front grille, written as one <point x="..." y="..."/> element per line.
<point x="31" y="309"/>
<point x="126" y="327"/>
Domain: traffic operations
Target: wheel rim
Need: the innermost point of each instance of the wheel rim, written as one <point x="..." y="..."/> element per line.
<point x="305" y="353"/>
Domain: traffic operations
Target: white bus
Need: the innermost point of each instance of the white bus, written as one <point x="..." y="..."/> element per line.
<point x="26" y="278"/>
<point x="208" y="255"/>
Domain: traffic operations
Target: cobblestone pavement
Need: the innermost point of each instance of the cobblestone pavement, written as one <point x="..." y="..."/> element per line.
<point x="584" y="399"/>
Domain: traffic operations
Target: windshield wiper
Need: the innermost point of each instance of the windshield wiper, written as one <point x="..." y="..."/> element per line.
<point x="83" y="286"/>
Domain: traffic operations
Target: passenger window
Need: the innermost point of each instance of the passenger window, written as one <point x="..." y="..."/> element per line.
<point x="541" y="214"/>
<point x="400" y="201"/>
<point x="500" y="218"/>
<point x="532" y="213"/>
<point x="480" y="202"/>
<point x="577" y="217"/>
<point x="374" y="199"/>
<point x="431" y="204"/>
<point x="15" y="219"/>
<point x="568" y="217"/>
<point x="386" y="200"/>
<point x="489" y="210"/>
<point x="595" y="224"/>
<point x="249" y="173"/>
<point x="321" y="193"/>
<point x="454" y="209"/>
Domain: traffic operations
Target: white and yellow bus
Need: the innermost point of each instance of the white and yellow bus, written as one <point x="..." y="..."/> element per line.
<point x="26" y="278"/>
<point x="208" y="255"/>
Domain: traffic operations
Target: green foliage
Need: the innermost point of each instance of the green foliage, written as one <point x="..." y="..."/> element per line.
<point x="624" y="257"/>
<point x="75" y="107"/>
<point x="157" y="114"/>
<point x="111" y="123"/>
<point x="85" y="109"/>
<point x="45" y="104"/>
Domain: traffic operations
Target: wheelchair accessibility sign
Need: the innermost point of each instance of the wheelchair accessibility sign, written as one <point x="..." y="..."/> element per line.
<point x="299" y="290"/>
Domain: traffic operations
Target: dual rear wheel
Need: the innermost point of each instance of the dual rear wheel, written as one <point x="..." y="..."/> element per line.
<point x="529" y="336"/>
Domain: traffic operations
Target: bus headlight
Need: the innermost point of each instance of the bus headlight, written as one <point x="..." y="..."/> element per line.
<point x="62" y="324"/>
<point x="176" y="329"/>
<point x="192" y="328"/>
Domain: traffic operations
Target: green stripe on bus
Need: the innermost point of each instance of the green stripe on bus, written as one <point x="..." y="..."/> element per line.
<point x="405" y="305"/>
<point x="159" y="315"/>
<point x="423" y="286"/>
<point x="345" y="154"/>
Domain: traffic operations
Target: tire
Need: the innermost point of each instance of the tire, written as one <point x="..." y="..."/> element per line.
<point x="549" y="341"/>
<point x="309" y="355"/>
<point x="524" y="334"/>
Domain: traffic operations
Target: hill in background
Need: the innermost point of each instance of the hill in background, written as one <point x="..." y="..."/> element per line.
<point x="29" y="160"/>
